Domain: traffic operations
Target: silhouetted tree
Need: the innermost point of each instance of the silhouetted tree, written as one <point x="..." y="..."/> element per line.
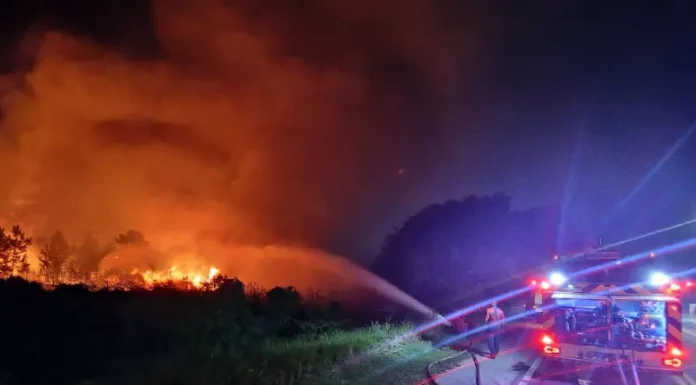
<point x="285" y="300"/>
<point x="5" y="266"/>
<point x="131" y="237"/>
<point x="13" y="251"/>
<point x="445" y="249"/>
<point x="19" y="244"/>
<point x="54" y="257"/>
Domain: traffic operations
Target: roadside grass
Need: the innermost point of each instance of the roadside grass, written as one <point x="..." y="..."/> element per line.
<point x="365" y="355"/>
<point x="378" y="354"/>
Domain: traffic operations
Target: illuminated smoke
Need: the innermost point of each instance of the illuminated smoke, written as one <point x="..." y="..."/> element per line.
<point x="224" y="140"/>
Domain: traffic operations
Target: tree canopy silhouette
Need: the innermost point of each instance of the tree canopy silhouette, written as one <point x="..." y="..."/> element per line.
<point x="54" y="257"/>
<point x="131" y="237"/>
<point x="447" y="248"/>
<point x="13" y="251"/>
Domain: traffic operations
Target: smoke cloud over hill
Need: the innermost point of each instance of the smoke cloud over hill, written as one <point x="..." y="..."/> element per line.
<point x="248" y="129"/>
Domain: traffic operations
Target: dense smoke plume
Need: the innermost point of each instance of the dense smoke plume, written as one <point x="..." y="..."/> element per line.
<point x="250" y="130"/>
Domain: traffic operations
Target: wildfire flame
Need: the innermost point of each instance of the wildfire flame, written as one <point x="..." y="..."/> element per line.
<point x="188" y="274"/>
<point x="174" y="274"/>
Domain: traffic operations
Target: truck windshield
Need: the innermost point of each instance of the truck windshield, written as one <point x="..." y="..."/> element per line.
<point x="637" y="325"/>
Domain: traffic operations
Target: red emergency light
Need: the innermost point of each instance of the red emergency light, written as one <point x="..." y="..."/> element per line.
<point x="548" y="343"/>
<point x="546" y="340"/>
<point x="678" y="287"/>
<point x="674" y="360"/>
<point x="544" y="285"/>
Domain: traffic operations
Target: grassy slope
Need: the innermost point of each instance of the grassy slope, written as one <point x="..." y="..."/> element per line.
<point x="361" y="356"/>
<point x="367" y="356"/>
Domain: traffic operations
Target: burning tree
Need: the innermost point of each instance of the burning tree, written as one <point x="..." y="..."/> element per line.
<point x="54" y="257"/>
<point x="13" y="251"/>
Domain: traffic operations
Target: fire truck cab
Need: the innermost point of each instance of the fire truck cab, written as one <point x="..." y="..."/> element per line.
<point x="594" y="314"/>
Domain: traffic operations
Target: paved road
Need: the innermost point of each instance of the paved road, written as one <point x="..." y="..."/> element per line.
<point x="519" y="364"/>
<point x="509" y="367"/>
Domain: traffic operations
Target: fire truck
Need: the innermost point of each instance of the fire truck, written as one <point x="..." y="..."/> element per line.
<point x="599" y="311"/>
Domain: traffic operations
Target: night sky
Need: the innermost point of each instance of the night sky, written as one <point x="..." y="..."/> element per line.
<point x="567" y="103"/>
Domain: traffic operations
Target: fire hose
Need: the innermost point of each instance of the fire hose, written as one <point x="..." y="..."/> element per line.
<point x="469" y="349"/>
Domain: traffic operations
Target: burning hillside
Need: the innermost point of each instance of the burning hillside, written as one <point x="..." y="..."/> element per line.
<point x="229" y="138"/>
<point x="182" y="279"/>
<point x="143" y="266"/>
<point x="125" y="267"/>
<point x="130" y="261"/>
<point x="218" y="153"/>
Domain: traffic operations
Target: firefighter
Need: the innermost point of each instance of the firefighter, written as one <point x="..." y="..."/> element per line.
<point x="494" y="316"/>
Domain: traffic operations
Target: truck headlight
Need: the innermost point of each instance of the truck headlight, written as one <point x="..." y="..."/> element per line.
<point x="659" y="279"/>
<point x="557" y="279"/>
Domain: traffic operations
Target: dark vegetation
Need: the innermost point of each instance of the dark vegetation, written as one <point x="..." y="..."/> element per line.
<point x="453" y="253"/>
<point x="225" y="333"/>
<point x="229" y="335"/>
